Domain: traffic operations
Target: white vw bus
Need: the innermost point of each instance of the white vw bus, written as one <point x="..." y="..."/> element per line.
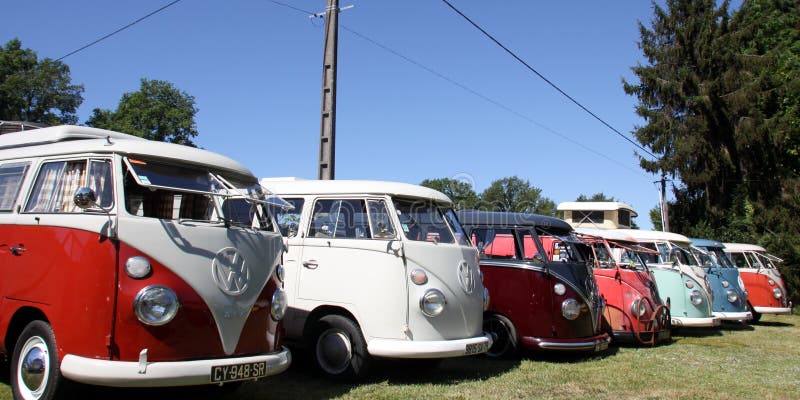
<point x="132" y="263"/>
<point x="377" y="269"/>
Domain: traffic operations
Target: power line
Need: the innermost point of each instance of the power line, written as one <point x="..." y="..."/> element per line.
<point x="470" y="90"/>
<point x="487" y="34"/>
<point x="116" y="31"/>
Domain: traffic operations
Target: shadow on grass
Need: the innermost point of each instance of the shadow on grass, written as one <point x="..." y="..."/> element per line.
<point x="772" y="323"/>
<point x="571" y="357"/>
<point x="677" y="333"/>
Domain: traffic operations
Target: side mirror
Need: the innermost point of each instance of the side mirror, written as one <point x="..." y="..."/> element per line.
<point x="85" y="198"/>
<point x="396" y="246"/>
<point x="708" y="264"/>
<point x="538" y="259"/>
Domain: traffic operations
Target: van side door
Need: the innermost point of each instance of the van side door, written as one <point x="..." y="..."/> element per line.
<point x="69" y="264"/>
<point x="12" y="177"/>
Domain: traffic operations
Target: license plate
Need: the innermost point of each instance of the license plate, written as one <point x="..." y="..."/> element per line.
<point x="600" y="346"/>
<point x="476" y="348"/>
<point x="238" y="372"/>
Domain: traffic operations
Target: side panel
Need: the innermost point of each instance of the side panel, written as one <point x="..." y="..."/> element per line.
<point x="69" y="273"/>
<point x="358" y="274"/>
<point x="760" y="292"/>
<point x="519" y="294"/>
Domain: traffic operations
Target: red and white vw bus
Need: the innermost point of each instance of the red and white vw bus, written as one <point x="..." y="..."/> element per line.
<point x="132" y="263"/>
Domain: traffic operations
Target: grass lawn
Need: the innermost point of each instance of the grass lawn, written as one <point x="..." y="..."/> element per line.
<point x="761" y="361"/>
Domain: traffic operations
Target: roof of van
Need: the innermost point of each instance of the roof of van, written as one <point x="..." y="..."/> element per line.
<point x="497" y="218"/>
<point x="639" y="235"/>
<point x="595" y="206"/>
<point x="734" y="247"/>
<point x="610" y="234"/>
<point x="71" y="139"/>
<point x="289" y="186"/>
<point x="706" y="243"/>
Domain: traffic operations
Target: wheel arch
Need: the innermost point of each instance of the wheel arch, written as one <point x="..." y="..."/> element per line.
<point x="321" y="311"/>
<point x="22" y="317"/>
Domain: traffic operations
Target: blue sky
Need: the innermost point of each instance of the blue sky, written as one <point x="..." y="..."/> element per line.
<point x="255" y="68"/>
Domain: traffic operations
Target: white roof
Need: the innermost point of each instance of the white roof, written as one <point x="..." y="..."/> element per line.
<point x="595" y="206"/>
<point x="736" y="247"/>
<point x="644" y="235"/>
<point x="300" y="187"/>
<point x="70" y="139"/>
<point x="611" y="234"/>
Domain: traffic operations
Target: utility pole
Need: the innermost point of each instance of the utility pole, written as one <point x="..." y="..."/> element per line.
<point x="327" y="133"/>
<point x="664" y="205"/>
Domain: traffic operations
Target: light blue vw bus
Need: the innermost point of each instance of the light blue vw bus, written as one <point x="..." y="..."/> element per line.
<point x="729" y="295"/>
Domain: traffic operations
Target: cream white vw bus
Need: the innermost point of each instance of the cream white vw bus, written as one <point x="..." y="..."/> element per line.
<point x="377" y="269"/>
<point x="131" y="263"/>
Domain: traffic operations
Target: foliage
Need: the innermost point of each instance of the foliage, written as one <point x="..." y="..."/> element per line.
<point x="513" y="194"/>
<point x="36" y="90"/>
<point x="157" y="111"/>
<point x="720" y="95"/>
<point x="595" y="197"/>
<point x="461" y="193"/>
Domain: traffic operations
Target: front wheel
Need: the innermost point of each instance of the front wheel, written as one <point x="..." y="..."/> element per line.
<point x="35" y="369"/>
<point x="756" y="316"/>
<point x="504" y="336"/>
<point x="340" y="351"/>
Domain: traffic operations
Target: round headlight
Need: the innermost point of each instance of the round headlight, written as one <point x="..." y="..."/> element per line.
<point x="156" y="305"/>
<point x="278" y="308"/>
<point x="777" y="293"/>
<point x="485" y="299"/>
<point x="137" y="267"/>
<point x="432" y="303"/>
<point x="280" y="272"/>
<point x="689" y="283"/>
<point x="725" y="283"/>
<point x="559" y="289"/>
<point x="771" y="282"/>
<point x="732" y="296"/>
<point x="570" y="309"/>
<point x="419" y="277"/>
<point x="696" y="297"/>
<point x="638" y="308"/>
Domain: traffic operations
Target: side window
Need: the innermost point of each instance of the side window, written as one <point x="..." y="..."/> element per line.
<point x="289" y="220"/>
<point x="379" y="219"/>
<point x="341" y="219"/>
<point x="754" y="261"/>
<point x="11" y="176"/>
<point x="495" y="243"/>
<point x="57" y="182"/>
<point x="529" y="246"/>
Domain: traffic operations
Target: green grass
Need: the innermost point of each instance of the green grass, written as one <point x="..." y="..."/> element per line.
<point x="735" y="361"/>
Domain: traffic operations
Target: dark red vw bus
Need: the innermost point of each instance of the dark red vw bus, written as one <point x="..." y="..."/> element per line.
<point x="539" y="275"/>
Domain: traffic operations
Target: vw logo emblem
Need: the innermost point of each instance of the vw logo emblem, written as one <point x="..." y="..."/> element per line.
<point x="465" y="277"/>
<point x="230" y="271"/>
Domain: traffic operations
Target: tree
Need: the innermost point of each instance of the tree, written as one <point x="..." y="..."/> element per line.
<point x="595" y="197"/>
<point x="513" y="194"/>
<point x="461" y="193"/>
<point x="36" y="90"/>
<point x="157" y="111"/>
<point x="720" y="95"/>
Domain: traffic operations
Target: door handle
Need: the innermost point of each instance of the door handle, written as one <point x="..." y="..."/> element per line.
<point x="17" y="250"/>
<point x="311" y="264"/>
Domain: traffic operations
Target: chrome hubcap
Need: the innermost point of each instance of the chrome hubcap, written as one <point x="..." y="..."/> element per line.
<point x="33" y="368"/>
<point x="334" y="351"/>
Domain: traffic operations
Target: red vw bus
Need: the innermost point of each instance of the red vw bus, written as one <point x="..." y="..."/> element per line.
<point x="132" y="263"/>
<point x="539" y="276"/>
<point x="634" y="311"/>
<point x="766" y="291"/>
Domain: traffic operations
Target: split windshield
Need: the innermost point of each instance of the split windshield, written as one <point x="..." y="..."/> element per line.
<point x="188" y="193"/>
<point x="422" y="220"/>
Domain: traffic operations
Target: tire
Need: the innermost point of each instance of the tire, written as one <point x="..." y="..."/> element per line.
<point x="756" y="316"/>
<point x="339" y="349"/>
<point x="35" y="368"/>
<point x="506" y="341"/>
